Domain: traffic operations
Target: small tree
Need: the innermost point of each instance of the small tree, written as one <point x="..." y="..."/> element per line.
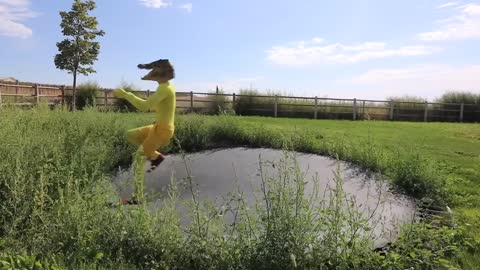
<point x="78" y="52"/>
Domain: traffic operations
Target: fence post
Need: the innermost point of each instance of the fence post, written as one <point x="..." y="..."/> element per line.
<point x="16" y="91"/>
<point x="233" y="101"/>
<point x="276" y="105"/>
<point x="216" y="97"/>
<point x="37" y="94"/>
<point x="62" y="88"/>
<point x="105" y="97"/>
<point x="425" y="116"/>
<point x="391" y="109"/>
<point x="191" y="101"/>
<point x="461" y="112"/>
<point x="315" y="115"/>
<point x="363" y="110"/>
<point x="354" y="109"/>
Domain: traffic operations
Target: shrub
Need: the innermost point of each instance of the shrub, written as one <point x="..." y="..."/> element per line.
<point x="86" y="95"/>
<point x="220" y="103"/>
<point x="249" y="103"/>
<point x="459" y="97"/>
<point x="123" y="105"/>
<point x="408" y="102"/>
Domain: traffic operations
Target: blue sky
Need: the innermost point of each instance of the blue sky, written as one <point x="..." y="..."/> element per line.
<point x="358" y="48"/>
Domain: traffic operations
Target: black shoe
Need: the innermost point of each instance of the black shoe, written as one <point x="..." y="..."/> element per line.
<point x="129" y="201"/>
<point x="156" y="162"/>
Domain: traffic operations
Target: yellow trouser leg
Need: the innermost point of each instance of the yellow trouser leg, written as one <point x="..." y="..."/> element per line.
<point x="149" y="139"/>
<point x="156" y="138"/>
<point x="136" y="136"/>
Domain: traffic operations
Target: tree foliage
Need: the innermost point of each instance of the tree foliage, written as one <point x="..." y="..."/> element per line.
<point x="79" y="50"/>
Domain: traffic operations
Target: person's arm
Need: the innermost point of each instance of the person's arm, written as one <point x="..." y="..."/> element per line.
<point x="139" y="103"/>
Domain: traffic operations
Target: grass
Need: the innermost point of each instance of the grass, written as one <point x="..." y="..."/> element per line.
<point x="54" y="188"/>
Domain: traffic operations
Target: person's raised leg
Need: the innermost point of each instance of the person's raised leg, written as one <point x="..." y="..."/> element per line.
<point x="156" y="139"/>
<point x="136" y="136"/>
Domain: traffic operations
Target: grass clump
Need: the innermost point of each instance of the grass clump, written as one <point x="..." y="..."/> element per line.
<point x="470" y="101"/>
<point x="86" y="95"/>
<point x="407" y="99"/>
<point x="459" y="97"/>
<point x="122" y="105"/>
<point x="247" y="103"/>
<point x="220" y="103"/>
<point x="56" y="197"/>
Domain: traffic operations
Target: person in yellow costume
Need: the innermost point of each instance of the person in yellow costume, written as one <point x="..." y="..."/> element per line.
<point x="152" y="137"/>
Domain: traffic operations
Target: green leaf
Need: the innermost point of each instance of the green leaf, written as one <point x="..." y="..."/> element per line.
<point x="444" y="262"/>
<point x="99" y="256"/>
<point x="79" y="50"/>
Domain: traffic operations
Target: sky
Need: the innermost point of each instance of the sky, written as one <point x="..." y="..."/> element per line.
<point x="366" y="49"/>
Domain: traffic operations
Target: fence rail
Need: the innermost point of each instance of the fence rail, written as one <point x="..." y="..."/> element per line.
<point x="29" y="94"/>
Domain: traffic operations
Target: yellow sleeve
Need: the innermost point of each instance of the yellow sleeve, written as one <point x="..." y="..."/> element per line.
<point x="149" y="103"/>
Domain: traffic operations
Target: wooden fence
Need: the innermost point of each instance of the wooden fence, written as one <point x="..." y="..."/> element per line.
<point x="28" y="94"/>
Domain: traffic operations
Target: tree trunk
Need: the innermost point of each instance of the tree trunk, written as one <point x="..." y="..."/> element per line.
<point x="74" y="102"/>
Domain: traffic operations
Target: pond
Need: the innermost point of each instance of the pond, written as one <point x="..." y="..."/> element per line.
<point x="215" y="173"/>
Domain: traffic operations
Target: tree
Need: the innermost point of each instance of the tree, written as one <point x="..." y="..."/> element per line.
<point x="80" y="50"/>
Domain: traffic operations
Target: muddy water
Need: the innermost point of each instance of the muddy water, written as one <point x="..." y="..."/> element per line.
<point x="215" y="173"/>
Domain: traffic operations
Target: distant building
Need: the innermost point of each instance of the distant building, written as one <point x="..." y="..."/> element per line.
<point x="8" y="79"/>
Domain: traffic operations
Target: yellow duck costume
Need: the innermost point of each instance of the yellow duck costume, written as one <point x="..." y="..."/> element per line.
<point x="163" y="102"/>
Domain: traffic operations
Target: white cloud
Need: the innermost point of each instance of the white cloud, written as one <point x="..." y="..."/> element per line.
<point x="12" y="12"/>
<point x="188" y="7"/>
<point x="155" y="3"/>
<point x="426" y="80"/>
<point x="464" y="25"/>
<point x="164" y="4"/>
<point x="311" y="53"/>
<point x="449" y="4"/>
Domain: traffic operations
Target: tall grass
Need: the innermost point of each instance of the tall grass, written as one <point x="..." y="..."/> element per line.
<point x="406" y="98"/>
<point x="56" y="202"/>
<point x="251" y="102"/>
<point x="86" y="95"/>
<point x="459" y="97"/>
<point x="123" y="105"/>
<point x="220" y="103"/>
<point x="470" y="100"/>
<point x="248" y="103"/>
